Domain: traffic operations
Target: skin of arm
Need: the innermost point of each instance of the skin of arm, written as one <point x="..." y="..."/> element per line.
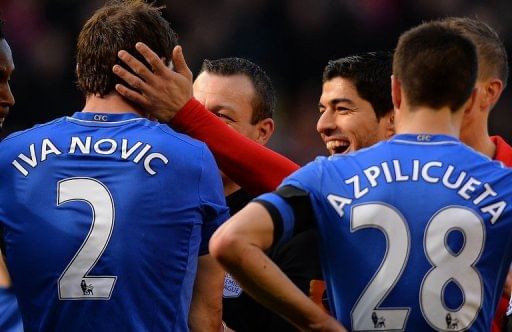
<point x="239" y="246"/>
<point x="163" y="92"/>
<point x="206" y="306"/>
<point x="5" y="280"/>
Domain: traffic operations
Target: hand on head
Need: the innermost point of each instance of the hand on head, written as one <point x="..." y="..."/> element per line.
<point x="161" y="90"/>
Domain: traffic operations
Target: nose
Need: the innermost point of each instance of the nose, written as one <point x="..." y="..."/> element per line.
<point x="326" y="122"/>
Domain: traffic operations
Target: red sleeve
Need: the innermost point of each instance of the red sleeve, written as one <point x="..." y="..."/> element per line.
<point x="252" y="166"/>
<point x="501" y="310"/>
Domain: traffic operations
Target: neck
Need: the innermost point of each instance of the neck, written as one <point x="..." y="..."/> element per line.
<point x="479" y="139"/>
<point x="111" y="103"/>
<point x="423" y="120"/>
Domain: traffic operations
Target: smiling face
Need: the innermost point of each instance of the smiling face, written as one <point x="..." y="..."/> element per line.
<point x="6" y="69"/>
<point x="230" y="98"/>
<point x="347" y="122"/>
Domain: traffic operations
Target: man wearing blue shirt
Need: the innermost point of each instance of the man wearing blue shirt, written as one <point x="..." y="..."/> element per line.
<point x="10" y="319"/>
<point x="415" y="231"/>
<point x="107" y="215"/>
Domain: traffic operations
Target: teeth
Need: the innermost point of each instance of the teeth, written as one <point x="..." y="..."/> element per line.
<point x="332" y="145"/>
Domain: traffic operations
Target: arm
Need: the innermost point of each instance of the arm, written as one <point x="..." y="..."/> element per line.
<point x="238" y="245"/>
<point x="163" y="92"/>
<point x="5" y="279"/>
<point x="206" y="306"/>
<point x="236" y="155"/>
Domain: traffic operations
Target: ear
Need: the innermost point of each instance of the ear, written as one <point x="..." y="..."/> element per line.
<point x="492" y="92"/>
<point x="396" y="92"/>
<point x="390" y="124"/>
<point x="265" y="130"/>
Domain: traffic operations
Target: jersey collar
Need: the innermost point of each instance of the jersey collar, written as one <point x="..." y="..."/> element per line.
<point x="424" y="138"/>
<point x="104" y="117"/>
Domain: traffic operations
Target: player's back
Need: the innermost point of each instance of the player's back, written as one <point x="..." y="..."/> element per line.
<point x="416" y="234"/>
<point x="103" y="217"/>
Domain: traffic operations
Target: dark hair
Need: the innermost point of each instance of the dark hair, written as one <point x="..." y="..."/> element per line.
<point x="492" y="55"/>
<point x="370" y="73"/>
<point x="119" y="25"/>
<point x="264" y="102"/>
<point x="437" y="66"/>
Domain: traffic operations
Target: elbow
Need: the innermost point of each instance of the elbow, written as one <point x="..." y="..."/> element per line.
<point x="225" y="248"/>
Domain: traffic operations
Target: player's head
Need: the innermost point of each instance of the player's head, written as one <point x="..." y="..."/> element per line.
<point x="6" y="69"/>
<point x="240" y="93"/>
<point x="492" y="73"/>
<point x="434" y="67"/>
<point x="355" y="105"/>
<point x="118" y="25"/>
<point x="492" y="55"/>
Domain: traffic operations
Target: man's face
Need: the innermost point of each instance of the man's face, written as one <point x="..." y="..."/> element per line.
<point x="347" y="122"/>
<point x="230" y="98"/>
<point x="6" y="69"/>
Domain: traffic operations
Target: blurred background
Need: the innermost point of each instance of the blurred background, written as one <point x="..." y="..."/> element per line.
<point x="291" y="39"/>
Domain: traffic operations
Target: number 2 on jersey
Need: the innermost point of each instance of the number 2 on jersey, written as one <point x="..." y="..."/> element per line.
<point x="75" y="283"/>
<point x="446" y="267"/>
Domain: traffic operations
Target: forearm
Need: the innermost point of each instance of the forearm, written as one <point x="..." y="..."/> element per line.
<point x="263" y="280"/>
<point x="254" y="167"/>
<point x="206" y="306"/>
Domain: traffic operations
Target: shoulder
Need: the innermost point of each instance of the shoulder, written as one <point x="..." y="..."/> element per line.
<point x="169" y="138"/>
<point x="39" y="129"/>
<point x="309" y="176"/>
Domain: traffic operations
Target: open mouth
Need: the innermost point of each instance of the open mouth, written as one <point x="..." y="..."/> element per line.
<point x="338" y="146"/>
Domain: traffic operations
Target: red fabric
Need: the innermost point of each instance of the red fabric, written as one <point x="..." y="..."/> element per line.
<point x="252" y="166"/>
<point x="503" y="151"/>
<point x="503" y="154"/>
<point x="501" y="309"/>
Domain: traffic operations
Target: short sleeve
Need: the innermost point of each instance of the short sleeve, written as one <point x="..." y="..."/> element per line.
<point x="290" y="206"/>
<point x="213" y="203"/>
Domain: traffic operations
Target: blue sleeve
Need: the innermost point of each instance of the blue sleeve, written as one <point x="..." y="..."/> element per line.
<point x="211" y="194"/>
<point x="282" y="215"/>
<point x="290" y="206"/>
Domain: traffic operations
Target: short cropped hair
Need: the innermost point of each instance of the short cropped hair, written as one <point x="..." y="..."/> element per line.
<point x="492" y="55"/>
<point x="119" y="25"/>
<point x="264" y="102"/>
<point x="370" y="73"/>
<point x="436" y="65"/>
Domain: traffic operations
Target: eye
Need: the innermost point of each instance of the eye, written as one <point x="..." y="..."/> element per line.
<point x="225" y="117"/>
<point x="344" y="109"/>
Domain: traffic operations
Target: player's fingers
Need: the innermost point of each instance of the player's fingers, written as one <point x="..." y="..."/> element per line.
<point x="180" y="65"/>
<point x="131" y="95"/>
<point x="135" y="65"/>
<point x="151" y="57"/>
<point x="134" y="81"/>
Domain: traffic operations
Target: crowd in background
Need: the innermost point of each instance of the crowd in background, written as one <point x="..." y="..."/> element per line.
<point x="291" y="39"/>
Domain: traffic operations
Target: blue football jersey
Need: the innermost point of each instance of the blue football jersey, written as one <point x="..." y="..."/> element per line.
<point x="415" y="233"/>
<point x="10" y="318"/>
<point x="104" y="218"/>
